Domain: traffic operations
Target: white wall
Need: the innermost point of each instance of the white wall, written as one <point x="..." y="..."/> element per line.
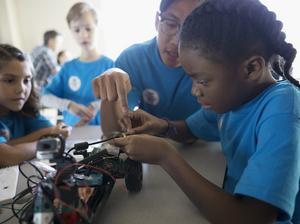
<point x="37" y="16"/>
<point x="9" y="27"/>
<point x="287" y="11"/>
<point x="125" y="22"/>
<point x="122" y="23"/>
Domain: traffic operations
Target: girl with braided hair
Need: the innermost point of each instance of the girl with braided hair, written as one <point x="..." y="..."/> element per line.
<point x="228" y="47"/>
<point x="21" y="125"/>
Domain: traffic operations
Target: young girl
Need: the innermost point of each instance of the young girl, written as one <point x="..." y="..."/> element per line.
<point x="20" y="122"/>
<point x="71" y="91"/>
<point x="227" y="48"/>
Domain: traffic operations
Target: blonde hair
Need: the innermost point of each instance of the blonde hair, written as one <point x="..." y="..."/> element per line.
<point x="80" y="8"/>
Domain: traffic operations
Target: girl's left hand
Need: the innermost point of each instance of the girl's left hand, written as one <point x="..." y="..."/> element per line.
<point x="145" y="148"/>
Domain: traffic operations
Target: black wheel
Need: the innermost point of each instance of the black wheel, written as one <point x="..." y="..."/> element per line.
<point x="133" y="175"/>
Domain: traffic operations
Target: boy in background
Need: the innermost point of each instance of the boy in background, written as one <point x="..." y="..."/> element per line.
<point x="70" y="90"/>
<point x="44" y="57"/>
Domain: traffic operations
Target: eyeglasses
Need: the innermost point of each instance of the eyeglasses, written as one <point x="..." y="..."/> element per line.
<point x="169" y="26"/>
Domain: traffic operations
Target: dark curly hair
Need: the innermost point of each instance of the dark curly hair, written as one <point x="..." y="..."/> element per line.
<point x="231" y="31"/>
<point x="9" y="53"/>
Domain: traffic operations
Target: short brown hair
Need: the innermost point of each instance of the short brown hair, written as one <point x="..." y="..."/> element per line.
<point x="78" y="9"/>
<point x="50" y="34"/>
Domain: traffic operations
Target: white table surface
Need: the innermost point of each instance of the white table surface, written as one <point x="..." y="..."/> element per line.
<point x="160" y="201"/>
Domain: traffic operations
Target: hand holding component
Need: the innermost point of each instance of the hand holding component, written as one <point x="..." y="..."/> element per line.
<point x="143" y="123"/>
<point x="145" y="148"/>
<point x="63" y="129"/>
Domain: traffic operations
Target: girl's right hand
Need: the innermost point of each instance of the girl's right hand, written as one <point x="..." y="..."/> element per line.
<point x="141" y="122"/>
<point x="81" y="111"/>
<point x="145" y="148"/>
<point x="63" y="129"/>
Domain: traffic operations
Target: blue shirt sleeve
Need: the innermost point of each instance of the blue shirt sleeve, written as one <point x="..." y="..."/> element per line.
<point x="4" y="133"/>
<point x="278" y="149"/>
<point x="2" y="140"/>
<point x="204" y="125"/>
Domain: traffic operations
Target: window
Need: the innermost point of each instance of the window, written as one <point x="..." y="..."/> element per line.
<point x="124" y="23"/>
<point x="287" y="12"/>
<point x="135" y="20"/>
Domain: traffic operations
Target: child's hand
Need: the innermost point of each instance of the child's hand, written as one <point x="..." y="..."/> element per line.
<point x="80" y="110"/>
<point x="145" y="148"/>
<point x="141" y="122"/>
<point x="81" y="123"/>
<point x="62" y="129"/>
<point x="93" y="109"/>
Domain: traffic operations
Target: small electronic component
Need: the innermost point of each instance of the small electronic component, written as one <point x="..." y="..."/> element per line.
<point x="50" y="147"/>
<point x="76" y="189"/>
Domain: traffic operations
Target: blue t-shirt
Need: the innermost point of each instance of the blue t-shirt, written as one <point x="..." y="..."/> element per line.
<point x="20" y="125"/>
<point x="3" y="133"/>
<point x="158" y="89"/>
<point x="261" y="143"/>
<point x="74" y="82"/>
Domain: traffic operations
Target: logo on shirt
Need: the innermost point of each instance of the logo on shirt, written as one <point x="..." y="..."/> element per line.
<point x="74" y="83"/>
<point x="151" y="97"/>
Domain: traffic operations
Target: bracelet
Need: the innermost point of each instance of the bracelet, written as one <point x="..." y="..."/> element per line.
<point x="171" y="130"/>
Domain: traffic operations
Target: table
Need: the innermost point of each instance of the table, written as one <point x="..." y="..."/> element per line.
<point x="88" y="133"/>
<point x="160" y="200"/>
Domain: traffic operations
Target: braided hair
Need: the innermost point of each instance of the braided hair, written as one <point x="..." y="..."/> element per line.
<point x="9" y="53"/>
<point x="165" y="4"/>
<point x="233" y="30"/>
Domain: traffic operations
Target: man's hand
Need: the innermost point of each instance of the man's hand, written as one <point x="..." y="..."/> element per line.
<point x="112" y="85"/>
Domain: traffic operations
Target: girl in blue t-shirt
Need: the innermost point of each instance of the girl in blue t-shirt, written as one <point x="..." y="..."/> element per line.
<point x="70" y="90"/>
<point x="230" y="49"/>
<point x="21" y="125"/>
